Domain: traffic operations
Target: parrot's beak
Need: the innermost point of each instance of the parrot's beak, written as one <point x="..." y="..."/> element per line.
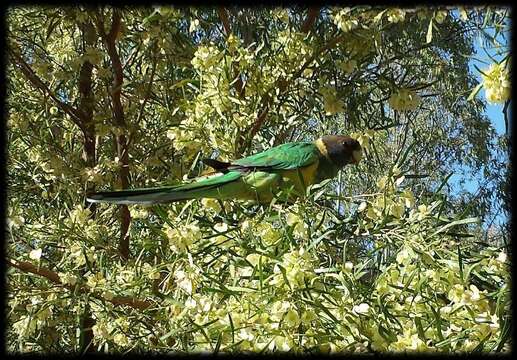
<point x="357" y="155"/>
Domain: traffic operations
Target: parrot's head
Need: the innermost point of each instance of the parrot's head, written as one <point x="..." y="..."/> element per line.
<point x="342" y="150"/>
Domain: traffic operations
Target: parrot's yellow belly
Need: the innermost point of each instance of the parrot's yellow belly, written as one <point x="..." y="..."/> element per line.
<point x="287" y="184"/>
<point x="261" y="186"/>
<point x="301" y="178"/>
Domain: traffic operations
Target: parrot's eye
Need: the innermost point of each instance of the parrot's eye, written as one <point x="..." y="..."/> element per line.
<point x="349" y="143"/>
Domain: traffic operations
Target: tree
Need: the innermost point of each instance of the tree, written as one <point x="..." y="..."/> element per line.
<point x="384" y="258"/>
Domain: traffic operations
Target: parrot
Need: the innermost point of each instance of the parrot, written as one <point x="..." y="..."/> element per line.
<point x="284" y="171"/>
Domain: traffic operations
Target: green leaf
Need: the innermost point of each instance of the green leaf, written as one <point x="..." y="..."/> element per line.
<point x="240" y="289"/>
<point x="378" y="17"/>
<point x="455" y="223"/>
<point x="429" y="36"/>
<point x="419" y="328"/>
<point x="475" y="92"/>
<point x="478" y="69"/>
<point x="218" y="344"/>
<point x="232" y="327"/>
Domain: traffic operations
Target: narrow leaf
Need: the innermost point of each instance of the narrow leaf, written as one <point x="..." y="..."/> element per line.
<point x="474" y="92"/>
<point x="429" y="36"/>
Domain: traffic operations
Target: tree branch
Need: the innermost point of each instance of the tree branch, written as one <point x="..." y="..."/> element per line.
<point x="118" y="114"/>
<point x="223" y="15"/>
<point x="310" y="19"/>
<point x="34" y="79"/>
<point x="239" y="86"/>
<point x="52" y="276"/>
<point x="86" y="107"/>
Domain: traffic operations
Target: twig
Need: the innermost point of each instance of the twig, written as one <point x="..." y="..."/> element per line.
<point x="310" y="19"/>
<point x="39" y="84"/>
<point x="26" y="266"/>
<point x="283" y="85"/>
<point x="223" y="15"/>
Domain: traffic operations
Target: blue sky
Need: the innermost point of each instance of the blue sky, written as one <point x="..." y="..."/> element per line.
<point x="493" y="111"/>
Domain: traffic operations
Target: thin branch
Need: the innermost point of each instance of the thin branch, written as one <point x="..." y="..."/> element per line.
<point x="283" y="85"/>
<point x="118" y="114"/>
<point x="34" y="79"/>
<point x="52" y="276"/>
<point x="260" y="120"/>
<point x="310" y="19"/>
<point x="223" y="15"/>
<point x="146" y="98"/>
<point x="238" y="84"/>
<point x="26" y="266"/>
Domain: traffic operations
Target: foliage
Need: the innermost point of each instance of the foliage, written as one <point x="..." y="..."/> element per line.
<point x="384" y="258"/>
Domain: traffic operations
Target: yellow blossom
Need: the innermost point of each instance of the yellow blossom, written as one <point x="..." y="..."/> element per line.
<point x="212" y="204"/>
<point x="440" y="16"/>
<point x="80" y="215"/>
<point x="344" y="21"/>
<point x="331" y="103"/>
<point x="404" y="100"/>
<point x="397" y="210"/>
<point x="67" y="278"/>
<point x="121" y="339"/>
<point x="347" y="66"/>
<point x="409" y="198"/>
<point x="291" y="318"/>
<point x="183" y="236"/>
<point x="95" y="280"/>
<point x="496" y="81"/>
<point x="396" y="15"/>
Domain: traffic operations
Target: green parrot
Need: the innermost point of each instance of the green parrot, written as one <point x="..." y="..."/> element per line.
<point x="285" y="170"/>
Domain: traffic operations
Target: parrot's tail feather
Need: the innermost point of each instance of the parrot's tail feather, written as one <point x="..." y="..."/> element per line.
<point x="167" y="194"/>
<point x="142" y="196"/>
<point x="217" y="165"/>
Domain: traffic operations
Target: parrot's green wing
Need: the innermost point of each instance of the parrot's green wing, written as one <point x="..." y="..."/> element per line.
<point x="284" y="157"/>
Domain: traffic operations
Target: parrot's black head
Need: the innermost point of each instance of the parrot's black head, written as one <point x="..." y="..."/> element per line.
<point x="342" y="150"/>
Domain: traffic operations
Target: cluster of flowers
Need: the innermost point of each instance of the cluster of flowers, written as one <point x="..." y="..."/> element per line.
<point x="331" y="103"/>
<point x="496" y="81"/>
<point x="404" y="100"/>
<point x="345" y="21"/>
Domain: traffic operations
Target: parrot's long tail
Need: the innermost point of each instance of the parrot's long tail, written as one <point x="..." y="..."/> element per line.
<point x="149" y="196"/>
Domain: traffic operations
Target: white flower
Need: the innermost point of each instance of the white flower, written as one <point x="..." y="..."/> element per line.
<point x="502" y="257"/>
<point x="362" y="308"/>
<point x="35" y="254"/>
<point x="349" y="266"/>
<point x="221" y="227"/>
<point x="194" y="25"/>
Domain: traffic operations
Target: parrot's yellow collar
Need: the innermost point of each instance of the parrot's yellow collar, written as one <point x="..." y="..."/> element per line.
<point x="322" y="148"/>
